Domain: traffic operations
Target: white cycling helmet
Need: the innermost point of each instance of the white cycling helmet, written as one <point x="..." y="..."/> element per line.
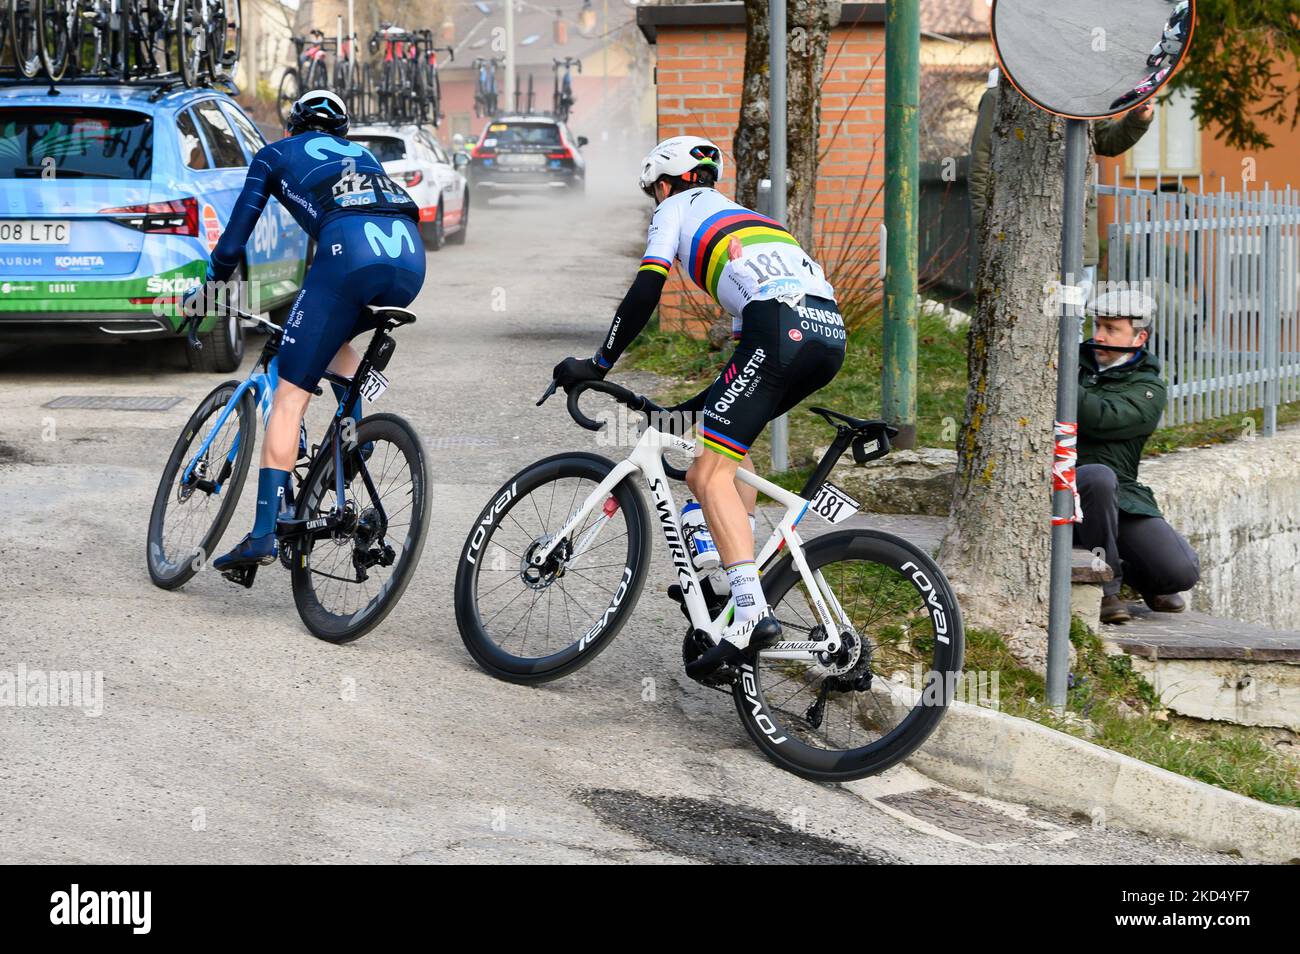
<point x="679" y="156"/>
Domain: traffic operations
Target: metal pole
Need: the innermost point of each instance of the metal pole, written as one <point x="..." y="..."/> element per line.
<point x="902" y="139"/>
<point x="780" y="207"/>
<point x="1067" y="409"/>
<point x="510" y="54"/>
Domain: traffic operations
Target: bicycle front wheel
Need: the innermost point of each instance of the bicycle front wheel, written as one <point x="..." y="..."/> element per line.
<point x="345" y="585"/>
<point x="876" y="701"/>
<point x="526" y="623"/>
<point x="192" y="510"/>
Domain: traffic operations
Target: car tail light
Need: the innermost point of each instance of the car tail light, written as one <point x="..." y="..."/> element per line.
<point x="481" y="153"/>
<point x="564" y="153"/>
<point x="413" y="178"/>
<point x="177" y="217"/>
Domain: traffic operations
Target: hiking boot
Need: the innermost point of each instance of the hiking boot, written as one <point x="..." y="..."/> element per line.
<point x="1114" y="610"/>
<point x="1166" y="603"/>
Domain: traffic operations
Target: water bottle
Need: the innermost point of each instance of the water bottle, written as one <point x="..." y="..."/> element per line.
<point x="698" y="539"/>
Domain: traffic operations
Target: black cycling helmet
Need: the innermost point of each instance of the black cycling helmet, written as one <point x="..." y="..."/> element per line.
<point x="321" y="110"/>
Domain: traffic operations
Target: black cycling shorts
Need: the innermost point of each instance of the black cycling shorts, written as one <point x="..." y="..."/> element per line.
<point x="785" y="354"/>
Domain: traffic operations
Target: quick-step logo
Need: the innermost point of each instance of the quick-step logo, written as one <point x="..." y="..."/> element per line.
<point x="737" y="385"/>
<point x="489" y="518"/>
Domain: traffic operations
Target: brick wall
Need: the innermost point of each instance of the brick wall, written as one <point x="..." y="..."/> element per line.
<point x="698" y="91"/>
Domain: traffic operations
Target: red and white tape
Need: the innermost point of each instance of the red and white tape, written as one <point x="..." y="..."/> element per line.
<point x="1063" y="477"/>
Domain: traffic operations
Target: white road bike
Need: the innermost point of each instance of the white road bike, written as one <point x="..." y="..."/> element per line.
<point x="872" y="635"/>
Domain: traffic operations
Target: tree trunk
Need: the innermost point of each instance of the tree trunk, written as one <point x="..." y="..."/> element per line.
<point x="750" y="147"/>
<point x="997" y="547"/>
<point x="809" y="27"/>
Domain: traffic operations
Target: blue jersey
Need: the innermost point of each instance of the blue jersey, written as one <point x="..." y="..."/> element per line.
<point x="317" y="177"/>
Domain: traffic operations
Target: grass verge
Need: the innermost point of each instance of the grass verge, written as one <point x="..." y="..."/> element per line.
<point x="1111" y="705"/>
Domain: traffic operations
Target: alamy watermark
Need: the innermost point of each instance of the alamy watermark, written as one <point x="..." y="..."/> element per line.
<point x="24" y="688"/>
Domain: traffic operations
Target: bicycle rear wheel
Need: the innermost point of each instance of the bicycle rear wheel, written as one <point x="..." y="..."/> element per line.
<point x="290" y="90"/>
<point x="57" y="20"/>
<point x="24" y="35"/>
<point x="190" y="514"/>
<point x="346" y="585"/>
<point x="877" y="701"/>
<point x="530" y="624"/>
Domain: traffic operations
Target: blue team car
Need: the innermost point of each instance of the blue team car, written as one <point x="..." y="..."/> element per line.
<point x="111" y="199"/>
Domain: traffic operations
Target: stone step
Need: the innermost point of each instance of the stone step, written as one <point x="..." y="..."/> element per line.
<point x="1214" y="669"/>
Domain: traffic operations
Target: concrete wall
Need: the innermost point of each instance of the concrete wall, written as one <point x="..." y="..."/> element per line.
<point x="1238" y="505"/>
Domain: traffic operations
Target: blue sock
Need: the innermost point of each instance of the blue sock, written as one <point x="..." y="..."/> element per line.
<point x="271" y="484"/>
<point x="340" y="393"/>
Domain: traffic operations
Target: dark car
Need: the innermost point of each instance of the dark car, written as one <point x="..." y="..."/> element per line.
<point x="516" y="155"/>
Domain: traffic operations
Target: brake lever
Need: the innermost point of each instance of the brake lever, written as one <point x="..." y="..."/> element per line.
<point x="549" y="391"/>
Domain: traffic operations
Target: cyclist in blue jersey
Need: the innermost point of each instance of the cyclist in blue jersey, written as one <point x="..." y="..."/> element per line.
<point x="368" y="252"/>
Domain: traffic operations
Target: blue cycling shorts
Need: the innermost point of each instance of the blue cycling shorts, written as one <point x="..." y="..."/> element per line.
<point x="360" y="260"/>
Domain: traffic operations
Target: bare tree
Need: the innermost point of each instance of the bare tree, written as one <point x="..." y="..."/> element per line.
<point x="997" y="547"/>
<point x="808" y="28"/>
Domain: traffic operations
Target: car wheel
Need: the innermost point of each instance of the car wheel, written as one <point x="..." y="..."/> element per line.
<point x="223" y="346"/>
<point x="432" y="232"/>
<point x="463" y="231"/>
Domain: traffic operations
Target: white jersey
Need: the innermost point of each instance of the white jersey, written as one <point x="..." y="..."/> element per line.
<point x="734" y="254"/>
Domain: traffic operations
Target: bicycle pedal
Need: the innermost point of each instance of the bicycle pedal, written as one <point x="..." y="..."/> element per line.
<point x="243" y="575"/>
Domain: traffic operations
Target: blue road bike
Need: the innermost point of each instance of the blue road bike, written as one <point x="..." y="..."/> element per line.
<point x="357" y="513"/>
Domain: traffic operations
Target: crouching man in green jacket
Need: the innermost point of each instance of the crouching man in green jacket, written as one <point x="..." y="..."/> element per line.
<point x="1121" y="398"/>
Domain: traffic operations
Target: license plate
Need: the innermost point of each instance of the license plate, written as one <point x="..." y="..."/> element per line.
<point x="528" y="159"/>
<point x="35" y="232"/>
<point x="374" y="385"/>
<point x="833" y="505"/>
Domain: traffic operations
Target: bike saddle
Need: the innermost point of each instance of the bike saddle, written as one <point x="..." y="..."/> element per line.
<point x="392" y="317"/>
<point x="868" y="428"/>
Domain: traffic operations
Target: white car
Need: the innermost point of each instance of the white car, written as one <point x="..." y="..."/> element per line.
<point x="411" y="156"/>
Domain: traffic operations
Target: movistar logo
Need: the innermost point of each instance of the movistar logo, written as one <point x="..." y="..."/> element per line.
<point x="392" y="244"/>
<point x="318" y="146"/>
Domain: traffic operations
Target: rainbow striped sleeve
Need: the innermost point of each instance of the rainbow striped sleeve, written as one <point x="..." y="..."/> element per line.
<point x="652" y="263"/>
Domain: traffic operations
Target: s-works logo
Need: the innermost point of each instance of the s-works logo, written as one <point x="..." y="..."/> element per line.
<point x="77" y="907"/>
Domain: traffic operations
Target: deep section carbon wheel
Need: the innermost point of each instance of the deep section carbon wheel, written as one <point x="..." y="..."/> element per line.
<point x="874" y="702"/>
<point x="528" y="623"/>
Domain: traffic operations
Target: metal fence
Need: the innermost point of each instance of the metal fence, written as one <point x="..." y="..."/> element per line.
<point x="1224" y="268"/>
<point x="945" y="234"/>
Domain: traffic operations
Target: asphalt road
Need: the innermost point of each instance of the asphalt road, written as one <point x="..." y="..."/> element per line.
<point x="228" y="734"/>
<point x="1078" y="57"/>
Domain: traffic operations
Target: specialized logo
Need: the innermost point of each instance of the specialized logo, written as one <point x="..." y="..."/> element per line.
<point x="676" y="548"/>
<point x="392" y="243"/>
<point x="737" y="383"/>
<point x="321" y="147"/>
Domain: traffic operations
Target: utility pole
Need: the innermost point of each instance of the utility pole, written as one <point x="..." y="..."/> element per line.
<point x="780" y="207"/>
<point x="510" y="54"/>
<point x="1067" y="413"/>
<point x="902" y="99"/>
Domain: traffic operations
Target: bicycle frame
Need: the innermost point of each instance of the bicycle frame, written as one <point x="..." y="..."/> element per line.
<point x="646" y="459"/>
